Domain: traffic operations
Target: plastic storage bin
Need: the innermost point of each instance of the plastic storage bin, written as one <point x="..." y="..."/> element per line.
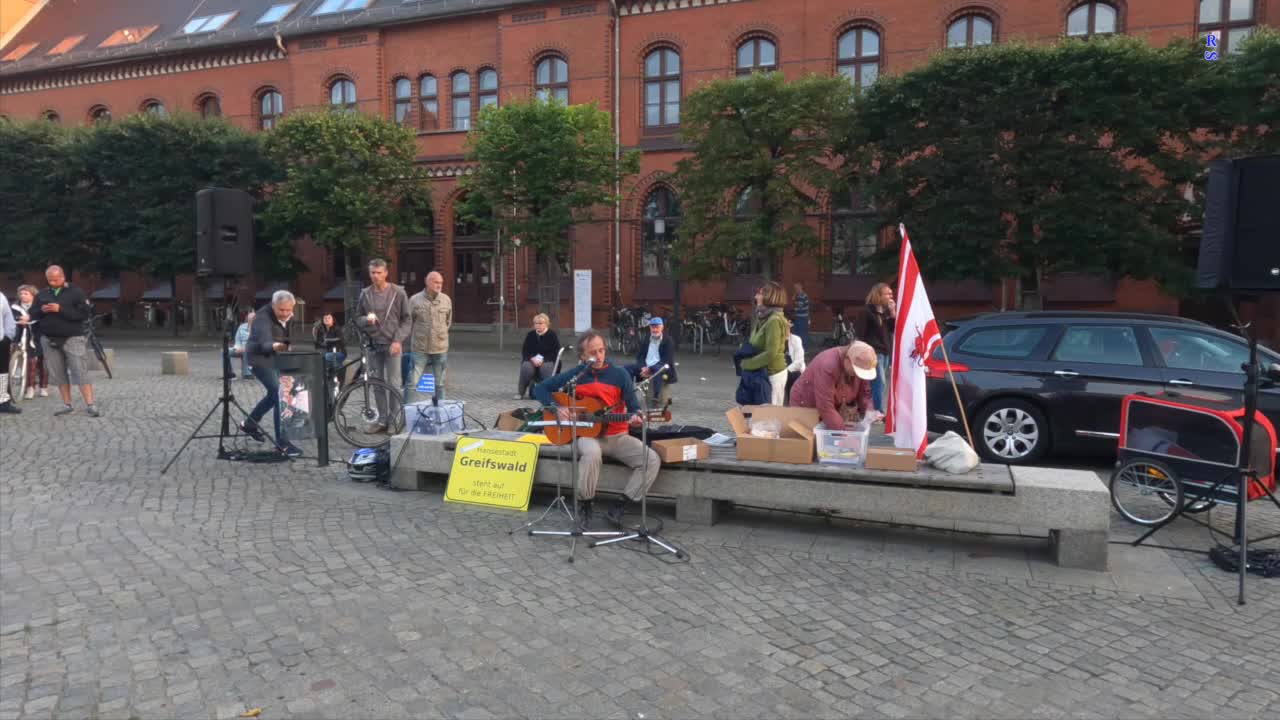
<point x="842" y="447"/>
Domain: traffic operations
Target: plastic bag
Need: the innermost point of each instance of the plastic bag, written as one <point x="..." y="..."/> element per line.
<point x="771" y="429"/>
<point x="950" y="453"/>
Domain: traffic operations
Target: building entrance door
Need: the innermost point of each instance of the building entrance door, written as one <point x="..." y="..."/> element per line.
<point x="415" y="263"/>
<point x="473" y="285"/>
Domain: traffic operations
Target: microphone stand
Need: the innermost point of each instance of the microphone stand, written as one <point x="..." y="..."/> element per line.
<point x="642" y="532"/>
<point x="575" y="530"/>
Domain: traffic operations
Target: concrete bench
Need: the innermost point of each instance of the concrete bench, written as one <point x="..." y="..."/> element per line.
<point x="173" y="363"/>
<point x="1072" y="504"/>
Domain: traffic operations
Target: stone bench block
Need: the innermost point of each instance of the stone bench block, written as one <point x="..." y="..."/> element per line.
<point x="174" y="363"/>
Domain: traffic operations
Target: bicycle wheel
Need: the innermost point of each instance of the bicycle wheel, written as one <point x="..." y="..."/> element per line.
<point x="17" y="374"/>
<point x="100" y="354"/>
<point x="1139" y="489"/>
<point x="368" y="413"/>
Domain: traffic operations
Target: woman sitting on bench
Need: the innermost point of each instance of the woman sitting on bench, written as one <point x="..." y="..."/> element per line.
<point x="538" y="356"/>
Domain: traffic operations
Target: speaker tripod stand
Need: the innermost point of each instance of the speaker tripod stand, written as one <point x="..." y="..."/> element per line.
<point x="642" y="532"/>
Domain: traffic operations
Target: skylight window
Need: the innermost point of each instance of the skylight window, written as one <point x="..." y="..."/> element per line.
<point x="65" y="45"/>
<point x="207" y="23"/>
<point x="276" y="13"/>
<point x="19" y="52"/>
<point x="329" y="7"/>
<point x="128" y="36"/>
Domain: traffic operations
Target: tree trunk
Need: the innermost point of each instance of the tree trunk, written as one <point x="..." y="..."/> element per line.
<point x="350" y="284"/>
<point x="173" y="295"/>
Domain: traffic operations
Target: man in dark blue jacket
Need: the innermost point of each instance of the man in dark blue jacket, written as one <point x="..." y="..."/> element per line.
<point x="268" y="336"/>
<point x="659" y="351"/>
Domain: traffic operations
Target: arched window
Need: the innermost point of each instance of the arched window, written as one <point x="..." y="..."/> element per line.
<point x="488" y="88"/>
<point x="428" y="98"/>
<point x="270" y="109"/>
<point x="551" y="79"/>
<point x="403" y="90"/>
<point x="1228" y="22"/>
<point x="460" y="87"/>
<point x="853" y="236"/>
<point x="662" y="88"/>
<point x="342" y="95"/>
<point x="858" y="56"/>
<point x="970" y="30"/>
<point x="209" y="107"/>
<point x="154" y="107"/>
<point x="758" y="54"/>
<point x="1093" y="18"/>
<point x="51" y="116"/>
<point x="660" y="228"/>
<point x="100" y="114"/>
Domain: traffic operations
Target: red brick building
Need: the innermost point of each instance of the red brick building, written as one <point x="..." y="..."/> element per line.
<point x="433" y="63"/>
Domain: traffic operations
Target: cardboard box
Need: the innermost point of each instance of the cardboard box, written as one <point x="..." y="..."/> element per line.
<point x="507" y="421"/>
<point x="675" y="450"/>
<point x="794" y="446"/>
<point x="881" y="458"/>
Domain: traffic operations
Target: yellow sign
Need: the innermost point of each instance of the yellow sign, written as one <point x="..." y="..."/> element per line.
<point x="496" y="473"/>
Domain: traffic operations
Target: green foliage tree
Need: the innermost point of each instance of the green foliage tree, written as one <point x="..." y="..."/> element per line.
<point x="349" y="178"/>
<point x="1017" y="161"/>
<point x="138" y="183"/>
<point x="542" y="167"/>
<point x="1242" y="93"/>
<point x="762" y="149"/>
<point x="38" y="199"/>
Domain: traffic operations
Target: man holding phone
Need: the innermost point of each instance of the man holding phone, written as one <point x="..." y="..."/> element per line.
<point x="268" y="336"/>
<point x="61" y="311"/>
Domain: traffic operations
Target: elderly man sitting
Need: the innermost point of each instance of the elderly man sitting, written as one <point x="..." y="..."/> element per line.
<point x="659" y="351"/>
<point x="838" y="384"/>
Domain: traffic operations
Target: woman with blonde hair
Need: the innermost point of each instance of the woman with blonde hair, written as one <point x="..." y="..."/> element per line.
<point x="538" y="355"/>
<point x="874" y="325"/>
<point x="769" y="338"/>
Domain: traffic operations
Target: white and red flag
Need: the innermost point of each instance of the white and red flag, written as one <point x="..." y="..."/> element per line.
<point x="914" y="339"/>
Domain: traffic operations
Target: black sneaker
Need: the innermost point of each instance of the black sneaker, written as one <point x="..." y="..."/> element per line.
<point x="584" y="514"/>
<point x="66" y="410"/>
<point x="615" y="515"/>
<point x="92" y="411"/>
<point x="253" y="431"/>
<point x="8" y="408"/>
<point x="290" y="450"/>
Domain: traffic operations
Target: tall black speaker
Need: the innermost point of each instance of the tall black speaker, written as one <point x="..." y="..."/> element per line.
<point x="1240" y="248"/>
<point x="224" y="232"/>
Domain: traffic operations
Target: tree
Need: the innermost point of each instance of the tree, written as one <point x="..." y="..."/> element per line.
<point x="38" y="199"/>
<point x="139" y="180"/>
<point x="348" y="179"/>
<point x="1018" y="161"/>
<point x="542" y="167"/>
<point x="762" y="150"/>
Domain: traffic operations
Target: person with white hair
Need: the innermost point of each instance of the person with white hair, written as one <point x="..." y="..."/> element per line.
<point x="268" y="336"/>
<point x="8" y="331"/>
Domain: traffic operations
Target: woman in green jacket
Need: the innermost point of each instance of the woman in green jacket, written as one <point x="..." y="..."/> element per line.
<point x="769" y="338"/>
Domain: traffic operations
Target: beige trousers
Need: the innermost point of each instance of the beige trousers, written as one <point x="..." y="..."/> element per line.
<point x="625" y="449"/>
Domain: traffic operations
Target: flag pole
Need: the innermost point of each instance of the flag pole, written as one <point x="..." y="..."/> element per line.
<point x="952" y="376"/>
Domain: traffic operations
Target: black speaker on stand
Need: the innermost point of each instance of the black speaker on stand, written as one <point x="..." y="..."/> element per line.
<point x="1240" y="256"/>
<point x="224" y="248"/>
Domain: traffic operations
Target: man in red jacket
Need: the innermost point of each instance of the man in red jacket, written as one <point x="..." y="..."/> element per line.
<point x="837" y="378"/>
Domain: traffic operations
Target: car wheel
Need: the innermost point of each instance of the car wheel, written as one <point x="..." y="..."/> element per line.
<point x="1011" y="432"/>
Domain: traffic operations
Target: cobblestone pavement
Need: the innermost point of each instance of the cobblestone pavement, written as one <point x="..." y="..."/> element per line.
<point x="223" y="587"/>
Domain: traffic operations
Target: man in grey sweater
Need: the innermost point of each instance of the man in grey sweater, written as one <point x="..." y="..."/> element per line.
<point x="383" y="312"/>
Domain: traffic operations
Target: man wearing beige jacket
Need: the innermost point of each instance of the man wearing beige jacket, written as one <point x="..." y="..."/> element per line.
<point x="432" y="312"/>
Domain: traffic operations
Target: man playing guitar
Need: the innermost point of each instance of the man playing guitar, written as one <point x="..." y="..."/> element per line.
<point x="612" y="385"/>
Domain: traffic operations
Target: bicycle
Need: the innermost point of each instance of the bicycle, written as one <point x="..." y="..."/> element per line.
<point x="91" y="339"/>
<point x="18" y="363"/>
<point x="368" y="411"/>
<point x="841" y="331"/>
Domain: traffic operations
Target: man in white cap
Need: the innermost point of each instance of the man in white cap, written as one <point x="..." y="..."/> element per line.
<point x="838" y="384"/>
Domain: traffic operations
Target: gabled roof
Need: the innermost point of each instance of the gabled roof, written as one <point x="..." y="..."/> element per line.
<point x="98" y="20"/>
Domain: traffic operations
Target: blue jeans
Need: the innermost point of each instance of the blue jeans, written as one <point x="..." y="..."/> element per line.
<point x="421" y="361"/>
<point x="270" y="380"/>
<point x="406" y="370"/>
<point x="877" y="385"/>
<point x="801" y="329"/>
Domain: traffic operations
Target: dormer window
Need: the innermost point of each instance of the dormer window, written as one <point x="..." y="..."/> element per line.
<point x="65" y="45"/>
<point x="330" y="7"/>
<point x="19" y="52"/>
<point x="207" y="23"/>
<point x="128" y="36"/>
<point x="276" y="13"/>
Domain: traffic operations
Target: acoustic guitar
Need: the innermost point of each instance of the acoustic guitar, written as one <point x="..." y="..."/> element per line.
<point x="593" y="411"/>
